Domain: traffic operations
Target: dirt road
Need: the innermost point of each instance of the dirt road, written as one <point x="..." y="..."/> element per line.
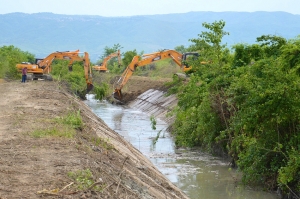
<point x="39" y="159"/>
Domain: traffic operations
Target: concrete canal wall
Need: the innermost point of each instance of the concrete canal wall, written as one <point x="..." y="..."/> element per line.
<point x="156" y="103"/>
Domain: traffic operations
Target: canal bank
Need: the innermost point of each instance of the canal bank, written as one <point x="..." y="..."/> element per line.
<point x="53" y="146"/>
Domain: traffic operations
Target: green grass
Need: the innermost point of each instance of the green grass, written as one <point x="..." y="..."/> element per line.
<point x="84" y="180"/>
<point x="103" y="143"/>
<point x="64" y="126"/>
<point x="54" y="132"/>
<point x="72" y="119"/>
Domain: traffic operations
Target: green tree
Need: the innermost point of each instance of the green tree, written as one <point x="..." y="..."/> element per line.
<point x="197" y="123"/>
<point x="181" y="49"/>
<point x="262" y="134"/>
<point x="271" y="44"/>
<point x="290" y="56"/>
<point x="245" y="105"/>
<point x="209" y="43"/>
<point x="110" y="50"/>
<point x="244" y="54"/>
<point x="128" y="56"/>
<point x="9" y="57"/>
<point x="74" y="79"/>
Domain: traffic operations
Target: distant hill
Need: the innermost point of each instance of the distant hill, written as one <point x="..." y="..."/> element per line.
<point x="43" y="33"/>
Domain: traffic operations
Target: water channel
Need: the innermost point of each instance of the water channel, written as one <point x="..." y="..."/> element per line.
<point x="198" y="174"/>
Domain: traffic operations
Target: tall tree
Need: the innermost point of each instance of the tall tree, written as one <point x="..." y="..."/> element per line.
<point x="271" y="44"/>
<point x="128" y="55"/>
<point x="209" y="42"/>
<point x="9" y="57"/>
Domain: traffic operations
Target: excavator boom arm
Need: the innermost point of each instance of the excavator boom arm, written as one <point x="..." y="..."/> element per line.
<point x="47" y="61"/>
<point x="87" y="72"/>
<point x="43" y="66"/>
<point x="147" y="59"/>
<point x="103" y="66"/>
<point x="127" y="73"/>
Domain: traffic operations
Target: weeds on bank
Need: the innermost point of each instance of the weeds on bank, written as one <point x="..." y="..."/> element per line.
<point x="103" y="143"/>
<point x="84" y="180"/>
<point x="64" y="127"/>
<point x="72" y="119"/>
<point x="101" y="91"/>
<point x="54" y="132"/>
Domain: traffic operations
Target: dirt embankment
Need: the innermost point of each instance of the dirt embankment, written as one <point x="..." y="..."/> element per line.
<point x="137" y="85"/>
<point x="104" y="165"/>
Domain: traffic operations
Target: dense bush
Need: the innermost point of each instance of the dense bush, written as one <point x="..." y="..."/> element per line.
<point x="74" y="79"/>
<point x="247" y="104"/>
<point x="101" y="91"/>
<point x="9" y="57"/>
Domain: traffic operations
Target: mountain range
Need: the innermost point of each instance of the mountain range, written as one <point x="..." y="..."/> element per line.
<point x="44" y="33"/>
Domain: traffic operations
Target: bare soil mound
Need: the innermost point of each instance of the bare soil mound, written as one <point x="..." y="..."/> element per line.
<point x="93" y="163"/>
<point x="137" y="85"/>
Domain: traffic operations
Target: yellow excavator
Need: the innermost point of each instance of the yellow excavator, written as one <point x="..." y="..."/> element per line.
<point x="87" y="71"/>
<point x="178" y="58"/>
<point x="42" y="67"/>
<point x="103" y="66"/>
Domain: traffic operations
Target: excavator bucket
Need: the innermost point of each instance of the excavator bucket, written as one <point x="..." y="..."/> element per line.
<point x="89" y="87"/>
<point x="118" y="95"/>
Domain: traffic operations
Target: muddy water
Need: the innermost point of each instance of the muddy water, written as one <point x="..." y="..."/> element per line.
<point x="199" y="175"/>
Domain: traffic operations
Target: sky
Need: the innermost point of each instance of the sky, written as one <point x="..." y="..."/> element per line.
<point x="117" y="8"/>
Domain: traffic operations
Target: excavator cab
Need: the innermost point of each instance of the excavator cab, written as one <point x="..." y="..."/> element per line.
<point x="186" y="56"/>
<point x="194" y="55"/>
<point x="38" y="60"/>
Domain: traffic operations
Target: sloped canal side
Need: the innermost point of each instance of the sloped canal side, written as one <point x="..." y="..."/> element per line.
<point x="53" y="146"/>
<point x="198" y="174"/>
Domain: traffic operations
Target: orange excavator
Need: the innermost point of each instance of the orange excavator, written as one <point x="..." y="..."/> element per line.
<point x="103" y="66"/>
<point x="87" y="71"/>
<point x="178" y="58"/>
<point x="42" y="67"/>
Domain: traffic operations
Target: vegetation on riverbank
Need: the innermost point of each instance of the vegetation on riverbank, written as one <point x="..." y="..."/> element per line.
<point x="244" y="103"/>
<point x="9" y="57"/>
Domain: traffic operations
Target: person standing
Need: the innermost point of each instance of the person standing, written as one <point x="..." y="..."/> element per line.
<point x="24" y="74"/>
